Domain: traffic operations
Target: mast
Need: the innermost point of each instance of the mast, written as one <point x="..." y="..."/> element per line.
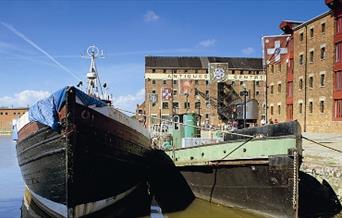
<point x="94" y="87"/>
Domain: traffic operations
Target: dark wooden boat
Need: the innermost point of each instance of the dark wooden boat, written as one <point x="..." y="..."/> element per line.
<point x="91" y="162"/>
<point x="255" y="169"/>
<point x="79" y="156"/>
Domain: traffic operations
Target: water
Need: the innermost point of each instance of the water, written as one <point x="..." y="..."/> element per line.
<point x="11" y="182"/>
<point x="12" y="189"/>
<point x="203" y="209"/>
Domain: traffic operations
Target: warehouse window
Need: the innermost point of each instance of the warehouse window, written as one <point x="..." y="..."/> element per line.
<point x="271" y="89"/>
<point x="339" y="25"/>
<point x="311" y="107"/>
<point x="279" y="88"/>
<point x="312" y="32"/>
<point x="187" y="105"/>
<point x="153" y="82"/>
<point x="279" y="109"/>
<point x="322" y="80"/>
<point x="301" y="36"/>
<point x="289" y="89"/>
<point x="311" y="82"/>
<point x="271" y="110"/>
<point x="165" y="105"/>
<point x="323" y="28"/>
<point x="338" y="49"/>
<point x="301" y="59"/>
<point x="300" y="83"/>
<point x="338" y="108"/>
<point x="323" y="53"/>
<point x="338" y="80"/>
<point x="311" y="56"/>
<point x="321" y="106"/>
<point x="175" y="105"/>
<point x="300" y="109"/>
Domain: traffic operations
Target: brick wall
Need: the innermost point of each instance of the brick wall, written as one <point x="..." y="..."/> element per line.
<point x="308" y="45"/>
<point x="7" y="115"/>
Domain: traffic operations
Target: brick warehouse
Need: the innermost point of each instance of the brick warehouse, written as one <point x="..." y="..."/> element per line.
<point x="304" y="71"/>
<point x="208" y="99"/>
<point x="6" y="117"/>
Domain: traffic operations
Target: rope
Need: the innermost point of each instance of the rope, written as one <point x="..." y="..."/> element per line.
<point x="310" y="140"/>
<point x="197" y="127"/>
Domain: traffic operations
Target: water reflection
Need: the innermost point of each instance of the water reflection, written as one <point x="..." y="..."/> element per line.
<point x="203" y="209"/>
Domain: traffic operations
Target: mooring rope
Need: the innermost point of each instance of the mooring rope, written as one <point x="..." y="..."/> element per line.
<point x="318" y="143"/>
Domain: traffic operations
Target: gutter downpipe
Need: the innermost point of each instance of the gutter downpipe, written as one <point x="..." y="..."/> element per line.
<point x="305" y="74"/>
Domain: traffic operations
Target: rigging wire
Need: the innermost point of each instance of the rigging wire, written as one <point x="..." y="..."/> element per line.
<point x="318" y="143"/>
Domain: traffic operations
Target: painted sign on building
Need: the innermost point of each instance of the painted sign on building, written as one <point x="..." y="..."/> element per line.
<point x="218" y="72"/>
<point x="178" y="76"/>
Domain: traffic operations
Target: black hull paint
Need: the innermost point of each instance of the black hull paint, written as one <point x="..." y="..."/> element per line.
<point x="263" y="188"/>
<point x="86" y="161"/>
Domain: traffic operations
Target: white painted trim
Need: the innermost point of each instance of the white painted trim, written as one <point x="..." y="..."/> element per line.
<point x="22" y="121"/>
<point x="324" y="45"/>
<point x="91" y="207"/>
<point x="58" y="208"/>
<point x="322" y="72"/>
<point x="82" y="209"/>
<point x="322" y="98"/>
<point x="115" y="114"/>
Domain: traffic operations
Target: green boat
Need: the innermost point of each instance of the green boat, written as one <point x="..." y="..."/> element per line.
<point x="255" y="168"/>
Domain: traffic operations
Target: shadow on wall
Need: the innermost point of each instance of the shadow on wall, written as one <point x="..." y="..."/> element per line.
<point x="316" y="199"/>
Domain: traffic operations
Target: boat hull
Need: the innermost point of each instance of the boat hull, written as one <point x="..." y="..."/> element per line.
<point x="93" y="162"/>
<point x="256" y="185"/>
<point x="260" y="173"/>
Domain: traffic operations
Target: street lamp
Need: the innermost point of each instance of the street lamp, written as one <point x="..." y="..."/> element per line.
<point x="244" y="93"/>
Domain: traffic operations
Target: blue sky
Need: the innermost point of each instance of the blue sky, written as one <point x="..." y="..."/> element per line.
<point x="126" y="31"/>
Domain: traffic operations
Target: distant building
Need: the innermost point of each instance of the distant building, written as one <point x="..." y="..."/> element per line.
<point x="176" y="85"/>
<point x="304" y="71"/>
<point x="6" y="117"/>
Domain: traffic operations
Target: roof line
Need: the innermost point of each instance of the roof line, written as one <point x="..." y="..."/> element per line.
<point x="274" y="36"/>
<point x="312" y="20"/>
<point x="152" y="56"/>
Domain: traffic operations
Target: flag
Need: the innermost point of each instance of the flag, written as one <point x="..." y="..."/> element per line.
<point x="166" y="94"/>
<point x="275" y="49"/>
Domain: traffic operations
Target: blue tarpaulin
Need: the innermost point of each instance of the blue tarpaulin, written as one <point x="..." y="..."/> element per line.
<point x="45" y="111"/>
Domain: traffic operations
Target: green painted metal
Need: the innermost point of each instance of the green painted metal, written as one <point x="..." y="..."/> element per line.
<point x="177" y="132"/>
<point x="189" y="121"/>
<point x="254" y="149"/>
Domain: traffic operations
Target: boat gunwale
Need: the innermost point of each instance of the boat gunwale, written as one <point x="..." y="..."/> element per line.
<point x="234" y="141"/>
